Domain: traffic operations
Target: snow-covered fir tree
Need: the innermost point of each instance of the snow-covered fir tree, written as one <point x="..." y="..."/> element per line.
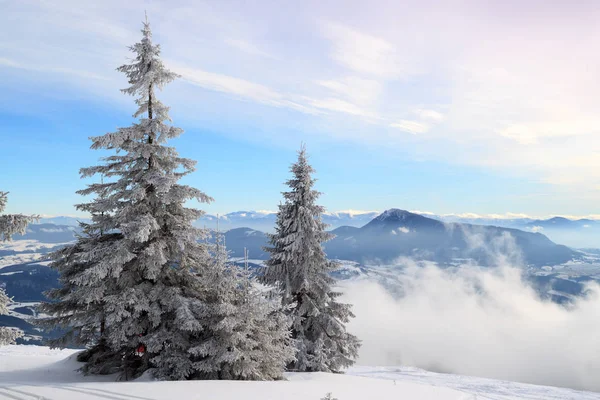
<point x="10" y="224"/>
<point x="142" y="286"/>
<point x="247" y="334"/>
<point x="138" y="289"/>
<point x="78" y="309"/>
<point x="299" y="267"/>
<point x="7" y="335"/>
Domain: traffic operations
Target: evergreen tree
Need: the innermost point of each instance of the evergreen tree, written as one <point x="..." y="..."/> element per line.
<point x="137" y="288"/>
<point x="299" y="267"/>
<point x="247" y="334"/>
<point x="141" y="279"/>
<point x="7" y="335"/>
<point x="10" y="224"/>
<point x="78" y="308"/>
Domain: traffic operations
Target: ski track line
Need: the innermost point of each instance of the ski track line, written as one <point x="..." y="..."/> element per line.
<point x="9" y="396"/>
<point x="118" y="394"/>
<point x="85" y="391"/>
<point x="12" y="396"/>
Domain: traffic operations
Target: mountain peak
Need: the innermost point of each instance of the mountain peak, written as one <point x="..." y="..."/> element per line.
<point x="394" y="214"/>
<point x="559" y="219"/>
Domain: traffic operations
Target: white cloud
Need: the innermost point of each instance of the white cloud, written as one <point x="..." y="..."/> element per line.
<point x="363" y="53"/>
<point x="342" y="106"/>
<point x="357" y="90"/>
<point x="482" y="322"/>
<point x="228" y="84"/>
<point x="53" y="230"/>
<point x="431" y="115"/>
<point x="265" y="212"/>
<point x="486" y="322"/>
<point x="532" y="133"/>
<point x="37" y="67"/>
<point x="536" y="229"/>
<point x="508" y="215"/>
<point x="248" y="48"/>
<point x="240" y="88"/>
<point x="350" y="212"/>
<point x="508" y="94"/>
<point x="9" y="63"/>
<point x="412" y="127"/>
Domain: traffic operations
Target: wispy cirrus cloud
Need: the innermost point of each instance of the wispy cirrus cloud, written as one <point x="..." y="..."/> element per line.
<point x="237" y="87"/>
<point x="412" y="127"/>
<point x="430" y="115"/>
<point x="360" y="91"/>
<point x="8" y="63"/>
<point x="342" y="106"/>
<point x="248" y="47"/>
<point x="510" y="92"/>
<point x="362" y="52"/>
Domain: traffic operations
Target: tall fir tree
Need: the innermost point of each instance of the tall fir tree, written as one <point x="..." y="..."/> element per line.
<point x="137" y="288"/>
<point x="139" y="280"/>
<point x="247" y="334"/>
<point x="299" y="267"/>
<point x="10" y="224"/>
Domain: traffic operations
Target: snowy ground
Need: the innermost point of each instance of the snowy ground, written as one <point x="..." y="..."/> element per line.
<point x="33" y="372"/>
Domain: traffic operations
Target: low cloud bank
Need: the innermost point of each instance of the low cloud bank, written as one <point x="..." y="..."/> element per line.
<point x="482" y="322"/>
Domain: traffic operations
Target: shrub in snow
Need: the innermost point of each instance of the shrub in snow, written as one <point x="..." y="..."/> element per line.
<point x="299" y="267"/>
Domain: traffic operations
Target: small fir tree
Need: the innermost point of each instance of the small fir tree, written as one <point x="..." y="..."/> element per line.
<point x="10" y="224"/>
<point x="7" y="335"/>
<point x="78" y="307"/>
<point x="247" y="333"/>
<point x="299" y="267"/>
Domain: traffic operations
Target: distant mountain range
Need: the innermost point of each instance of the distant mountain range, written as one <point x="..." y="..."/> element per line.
<point x="579" y="233"/>
<point x="259" y="220"/>
<point x="49" y="233"/>
<point x="563" y="223"/>
<point x="387" y="236"/>
<point x="582" y="233"/>
<point x="265" y="220"/>
<point x="63" y="220"/>
<point x="397" y="233"/>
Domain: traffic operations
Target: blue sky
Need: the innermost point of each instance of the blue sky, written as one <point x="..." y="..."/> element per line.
<point x="453" y="108"/>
